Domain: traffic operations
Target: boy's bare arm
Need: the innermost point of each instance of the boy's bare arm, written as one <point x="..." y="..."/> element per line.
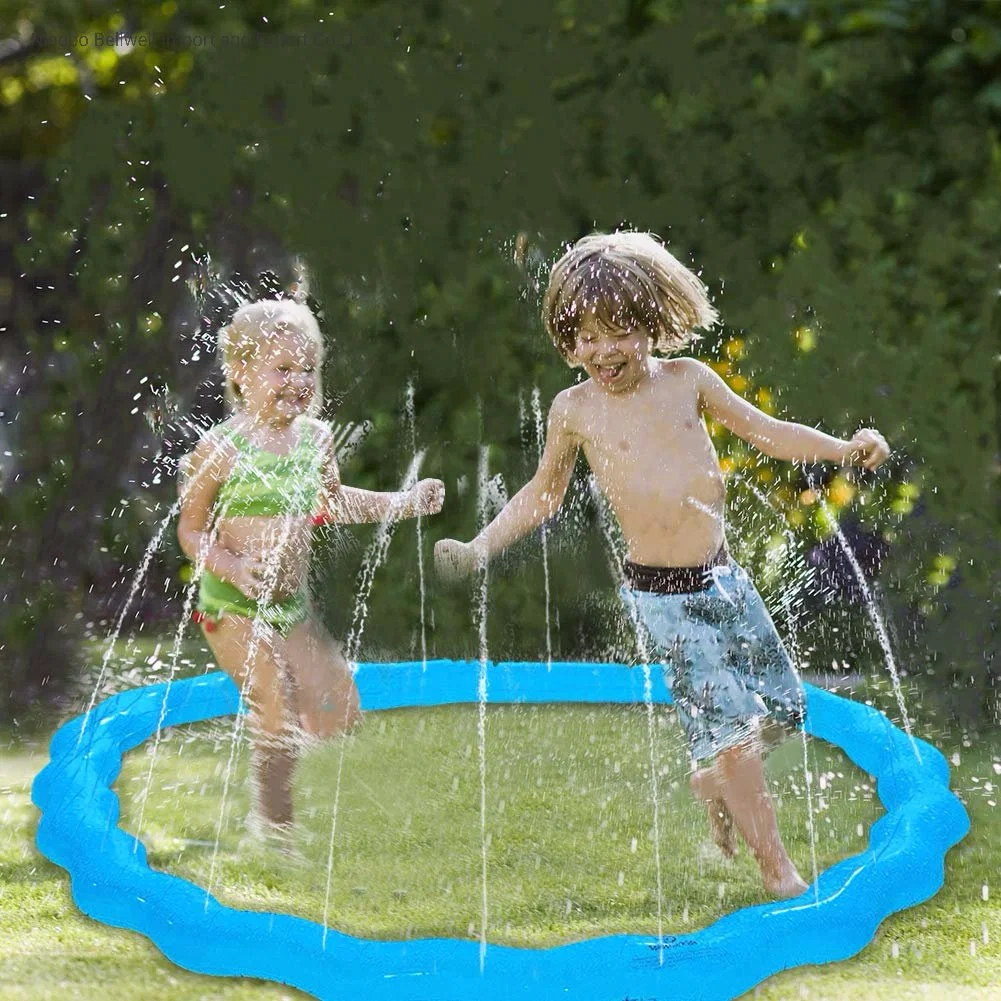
<point x="538" y="500"/>
<point x="784" y="439"/>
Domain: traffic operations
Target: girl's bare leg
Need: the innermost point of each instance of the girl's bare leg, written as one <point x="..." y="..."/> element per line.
<point x="737" y="782"/>
<point x="261" y="680"/>
<point x="326" y="696"/>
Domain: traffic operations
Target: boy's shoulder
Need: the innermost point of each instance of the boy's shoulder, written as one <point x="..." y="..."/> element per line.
<point x="570" y="402"/>
<point x="681" y="375"/>
<point x="566" y="410"/>
<point x="687" y="367"/>
<point x="568" y="398"/>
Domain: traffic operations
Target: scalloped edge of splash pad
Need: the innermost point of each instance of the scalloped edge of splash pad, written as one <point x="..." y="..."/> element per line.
<point x="111" y="881"/>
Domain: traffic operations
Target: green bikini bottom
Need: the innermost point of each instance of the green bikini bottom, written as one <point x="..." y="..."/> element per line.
<point x="218" y="597"/>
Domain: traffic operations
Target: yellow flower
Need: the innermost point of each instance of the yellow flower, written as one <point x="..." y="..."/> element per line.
<point x="806" y="338"/>
<point x="11" y="90"/>
<point x="734" y="348"/>
<point x="840" y="491"/>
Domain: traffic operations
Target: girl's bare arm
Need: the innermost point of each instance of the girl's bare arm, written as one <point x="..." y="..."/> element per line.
<point x="353" y="505"/>
<point x="206" y="468"/>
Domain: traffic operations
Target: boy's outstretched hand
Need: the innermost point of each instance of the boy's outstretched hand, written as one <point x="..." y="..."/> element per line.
<point x="427" y="497"/>
<point x="868" y="448"/>
<point x="454" y="560"/>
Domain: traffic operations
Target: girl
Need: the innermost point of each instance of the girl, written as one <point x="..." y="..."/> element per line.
<point x="254" y="488"/>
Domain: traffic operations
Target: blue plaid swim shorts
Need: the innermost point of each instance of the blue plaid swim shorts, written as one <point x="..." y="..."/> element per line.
<point x="723" y="661"/>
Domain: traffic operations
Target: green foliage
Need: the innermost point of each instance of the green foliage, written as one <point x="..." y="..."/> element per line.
<point x="831" y="167"/>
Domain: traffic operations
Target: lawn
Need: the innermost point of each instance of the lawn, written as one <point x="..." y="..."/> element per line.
<point x="570" y="850"/>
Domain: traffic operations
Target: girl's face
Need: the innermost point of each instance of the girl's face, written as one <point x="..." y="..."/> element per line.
<point x="281" y="380"/>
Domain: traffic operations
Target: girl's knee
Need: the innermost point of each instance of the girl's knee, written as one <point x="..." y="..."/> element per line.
<point x="331" y="718"/>
<point x="270" y="717"/>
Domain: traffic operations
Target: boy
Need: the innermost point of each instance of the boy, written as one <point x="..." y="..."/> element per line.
<point x="611" y="300"/>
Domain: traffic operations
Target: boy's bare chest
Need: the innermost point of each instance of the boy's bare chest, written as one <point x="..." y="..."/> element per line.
<point x="642" y="431"/>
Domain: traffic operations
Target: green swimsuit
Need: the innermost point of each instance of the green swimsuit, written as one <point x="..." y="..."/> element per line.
<point x="267" y="485"/>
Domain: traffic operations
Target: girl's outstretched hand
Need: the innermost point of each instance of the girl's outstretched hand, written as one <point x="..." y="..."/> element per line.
<point x="454" y="560"/>
<point x="868" y="448"/>
<point x="427" y="497"/>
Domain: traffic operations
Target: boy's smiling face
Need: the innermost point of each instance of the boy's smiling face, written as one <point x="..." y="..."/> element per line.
<point x="617" y="360"/>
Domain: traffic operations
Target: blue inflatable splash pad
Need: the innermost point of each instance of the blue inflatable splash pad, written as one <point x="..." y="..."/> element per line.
<point x="111" y="881"/>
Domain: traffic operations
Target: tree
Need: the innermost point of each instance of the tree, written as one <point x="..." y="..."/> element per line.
<point x="830" y="167"/>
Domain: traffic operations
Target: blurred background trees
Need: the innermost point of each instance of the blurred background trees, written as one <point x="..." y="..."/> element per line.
<point x="832" y="168"/>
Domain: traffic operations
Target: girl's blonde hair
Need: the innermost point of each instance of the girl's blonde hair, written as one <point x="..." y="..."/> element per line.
<point x="252" y="325"/>
<point x="625" y="280"/>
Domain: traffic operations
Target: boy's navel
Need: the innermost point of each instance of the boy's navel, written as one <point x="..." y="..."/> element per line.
<point x="624" y="445"/>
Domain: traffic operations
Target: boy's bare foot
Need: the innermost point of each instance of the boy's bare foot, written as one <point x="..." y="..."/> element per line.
<point x="784" y="884"/>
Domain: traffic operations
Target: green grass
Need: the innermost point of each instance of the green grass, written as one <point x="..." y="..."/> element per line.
<point x="570" y="854"/>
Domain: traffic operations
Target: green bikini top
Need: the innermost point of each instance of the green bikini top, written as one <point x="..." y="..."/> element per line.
<point x="265" y="484"/>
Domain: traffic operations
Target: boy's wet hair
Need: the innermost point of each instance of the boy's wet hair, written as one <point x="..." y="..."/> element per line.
<point x="626" y="280"/>
<point x="252" y="325"/>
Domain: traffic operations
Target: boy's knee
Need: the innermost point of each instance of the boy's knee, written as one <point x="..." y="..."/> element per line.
<point x="773" y="732"/>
